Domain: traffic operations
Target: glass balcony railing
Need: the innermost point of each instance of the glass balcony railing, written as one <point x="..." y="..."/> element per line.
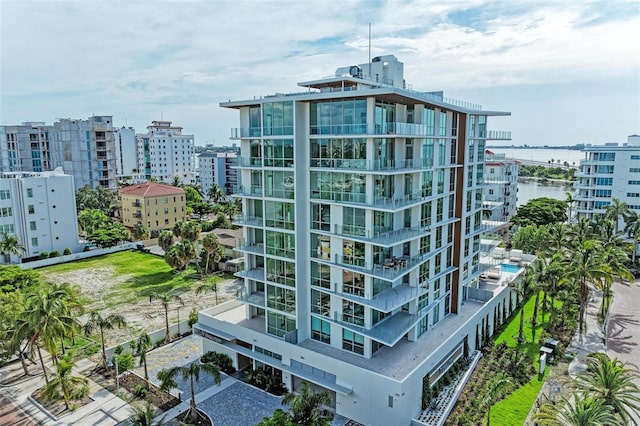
<point x="245" y="132"/>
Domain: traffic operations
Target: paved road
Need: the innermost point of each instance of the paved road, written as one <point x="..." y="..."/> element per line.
<point x="11" y="415"/>
<point x="623" y="330"/>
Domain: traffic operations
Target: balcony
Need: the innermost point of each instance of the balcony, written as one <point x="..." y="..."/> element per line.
<point x="492" y="225"/>
<point x="392" y="129"/>
<point x="385" y="301"/>
<point x="137" y="203"/>
<point x="137" y="215"/>
<point x="245" y="132"/>
<point x="248" y="191"/>
<point x="255" y="299"/>
<point x="257" y="274"/>
<point x="249" y="162"/>
<point x="381" y="238"/>
<point x="372" y="165"/>
<point x="251" y="247"/>
<point x="498" y="135"/>
<point x="255" y="221"/>
<point x="389" y="270"/>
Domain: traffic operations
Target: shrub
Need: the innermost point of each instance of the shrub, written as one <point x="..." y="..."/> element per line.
<point x="193" y="317"/>
<point x="54" y="253"/>
<point x="67" y="251"/>
<point x="125" y="361"/>
<point x="141" y="390"/>
<point x="44" y="255"/>
<point x="221" y="360"/>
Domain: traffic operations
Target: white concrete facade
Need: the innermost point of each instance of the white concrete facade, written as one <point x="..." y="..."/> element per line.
<point x="25" y="147"/>
<point x="40" y="209"/>
<point x="362" y="218"/>
<point x="126" y="153"/>
<point x="501" y="191"/>
<point x="164" y="152"/>
<point x="609" y="171"/>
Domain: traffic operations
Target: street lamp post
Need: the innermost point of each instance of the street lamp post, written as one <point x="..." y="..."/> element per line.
<point x="178" y="322"/>
<point x="115" y="358"/>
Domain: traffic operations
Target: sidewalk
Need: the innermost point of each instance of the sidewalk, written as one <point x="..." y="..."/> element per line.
<point x="593" y="338"/>
<point x="105" y="409"/>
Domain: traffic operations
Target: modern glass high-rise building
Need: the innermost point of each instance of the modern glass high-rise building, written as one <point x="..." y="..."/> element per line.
<point x="362" y="217"/>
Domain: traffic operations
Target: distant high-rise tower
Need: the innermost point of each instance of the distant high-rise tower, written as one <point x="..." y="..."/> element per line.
<point x="164" y="153"/>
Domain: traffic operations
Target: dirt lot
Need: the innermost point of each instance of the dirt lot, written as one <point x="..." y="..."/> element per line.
<point x="101" y="284"/>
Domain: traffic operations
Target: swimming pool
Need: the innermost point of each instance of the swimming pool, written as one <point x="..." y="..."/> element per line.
<point x="512" y="269"/>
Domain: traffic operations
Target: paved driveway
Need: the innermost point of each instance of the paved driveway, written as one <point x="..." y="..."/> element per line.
<point x="10" y="414"/>
<point x="623" y="330"/>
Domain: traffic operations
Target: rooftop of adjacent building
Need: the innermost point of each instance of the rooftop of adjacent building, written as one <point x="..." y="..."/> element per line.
<point x="633" y="142"/>
<point x="215" y="154"/>
<point x="21" y="175"/>
<point x="150" y="189"/>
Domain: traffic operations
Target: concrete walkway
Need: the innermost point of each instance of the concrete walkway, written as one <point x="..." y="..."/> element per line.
<point x="592" y="340"/>
<point x="105" y="409"/>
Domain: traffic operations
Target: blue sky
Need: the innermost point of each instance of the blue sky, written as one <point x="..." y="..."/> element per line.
<point x="569" y="71"/>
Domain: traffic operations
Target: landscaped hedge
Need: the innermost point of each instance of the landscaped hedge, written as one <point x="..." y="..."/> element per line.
<point x="221" y="360"/>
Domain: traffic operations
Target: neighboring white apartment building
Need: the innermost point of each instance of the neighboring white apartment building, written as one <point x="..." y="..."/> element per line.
<point x="501" y="190"/>
<point x="609" y="171"/>
<point x="164" y="152"/>
<point x="126" y="153"/>
<point x="362" y="206"/>
<point x="40" y="209"/>
<point x="218" y="168"/>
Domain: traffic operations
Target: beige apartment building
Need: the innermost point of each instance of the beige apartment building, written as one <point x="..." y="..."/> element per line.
<point x="152" y="205"/>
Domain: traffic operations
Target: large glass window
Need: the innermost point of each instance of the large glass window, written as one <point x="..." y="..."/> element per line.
<point x="320" y="330"/>
<point x="280" y="244"/>
<point x="320" y="303"/>
<point x="282" y="272"/>
<point x="338" y="186"/>
<point x="320" y="275"/>
<point x="353" y="283"/>
<point x="353" y="313"/>
<point x="278" y="152"/>
<point x="279" y="324"/>
<point x="353" y="253"/>
<point x="280" y="215"/>
<point x="338" y="117"/>
<point x="382" y="222"/>
<point x="282" y="299"/>
<point x="277" y="118"/>
<point x="384" y="153"/>
<point x="429" y="120"/>
<point x="254" y="121"/>
<point x="353" y="221"/>
<point x="279" y="184"/>
<point x="321" y="216"/>
<point x="385" y="117"/>
<point x="339" y="153"/>
<point x="352" y="342"/>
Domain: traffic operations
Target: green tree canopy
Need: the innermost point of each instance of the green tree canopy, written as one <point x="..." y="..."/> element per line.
<point x="541" y="211"/>
<point x="98" y="198"/>
<point x="530" y="238"/>
<point x="110" y="235"/>
<point x="14" y="277"/>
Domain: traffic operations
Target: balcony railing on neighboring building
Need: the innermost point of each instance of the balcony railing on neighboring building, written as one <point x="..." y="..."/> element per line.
<point x="245" y="132"/>
<point x="372" y="165"/>
<point x="499" y="135"/>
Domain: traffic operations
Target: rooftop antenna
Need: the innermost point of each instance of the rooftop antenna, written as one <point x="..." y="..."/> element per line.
<point x="369" y="49"/>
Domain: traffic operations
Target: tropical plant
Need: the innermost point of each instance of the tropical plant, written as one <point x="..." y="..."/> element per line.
<point x="216" y="193"/>
<point x="141" y="233"/>
<point x="191" y="372"/>
<point x="210" y="285"/>
<point x="213" y="250"/>
<point x="91" y="220"/>
<point x="585" y="267"/>
<point x="165" y="298"/>
<point x="166" y="240"/>
<point x="570" y="201"/>
<point x="494" y="392"/>
<point x="577" y="411"/>
<point x="616" y="210"/>
<point x="143" y="416"/>
<point x="305" y="407"/>
<point x="101" y="324"/>
<point x="611" y="381"/>
<point x="98" y="198"/>
<point x="64" y="384"/>
<point x="142" y="346"/>
<point x="10" y="245"/>
<point x="632" y="228"/>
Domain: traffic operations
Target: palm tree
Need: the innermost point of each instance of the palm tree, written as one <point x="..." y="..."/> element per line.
<point x="165" y="240"/>
<point x="632" y="228"/>
<point x="585" y="267"/>
<point x="579" y="232"/>
<point x="167" y="379"/>
<point x="213" y="250"/>
<point x="190" y="231"/>
<point x="102" y="324"/>
<point x="48" y="315"/>
<point x="494" y="392"/>
<point x="615" y="210"/>
<point x="305" y="406"/>
<point x="521" y="290"/>
<point x="211" y="285"/>
<point x="142" y="346"/>
<point x="611" y="381"/>
<point x="176" y="181"/>
<point x="91" y="220"/>
<point x="144" y="416"/>
<point x="10" y="245"/>
<point x="216" y="193"/>
<point x="577" y="411"/>
<point x="64" y="383"/>
<point x="166" y="298"/>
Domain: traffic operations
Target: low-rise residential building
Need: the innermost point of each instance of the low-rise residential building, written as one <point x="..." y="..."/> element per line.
<point x="501" y="187"/>
<point x="40" y="209"/>
<point x="609" y="171"/>
<point x="153" y="205"/>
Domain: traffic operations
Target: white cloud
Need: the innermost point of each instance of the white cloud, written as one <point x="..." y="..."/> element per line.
<point x="135" y="59"/>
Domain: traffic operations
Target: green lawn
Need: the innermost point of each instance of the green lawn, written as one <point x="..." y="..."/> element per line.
<point x="148" y="273"/>
<point x="513" y="409"/>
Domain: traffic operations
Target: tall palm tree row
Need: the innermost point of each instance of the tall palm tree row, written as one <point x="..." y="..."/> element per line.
<point x="100" y="323"/>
